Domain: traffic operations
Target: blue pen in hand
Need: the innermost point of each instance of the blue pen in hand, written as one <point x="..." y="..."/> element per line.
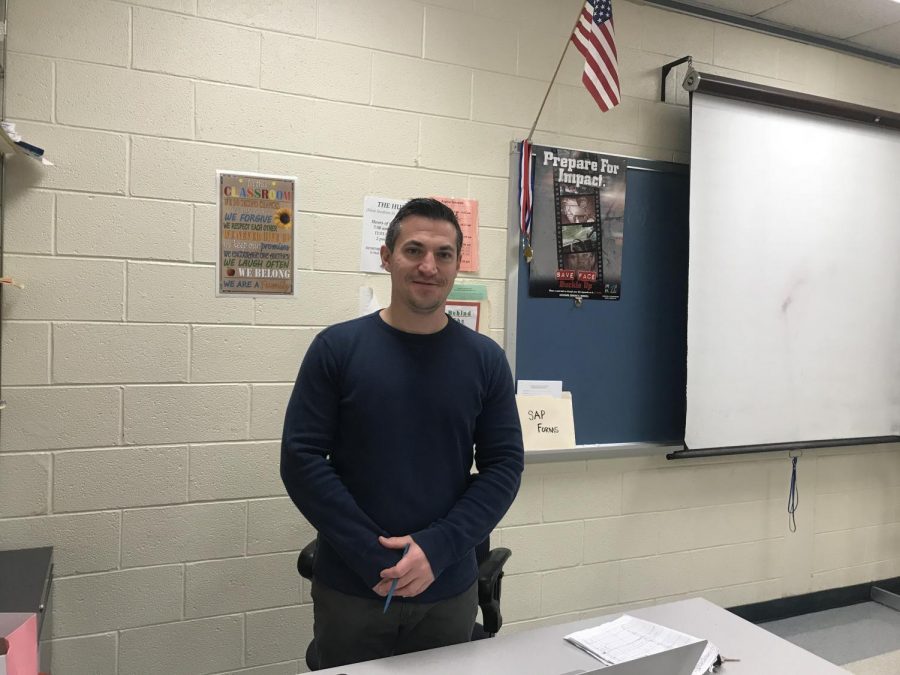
<point x="387" y="600"/>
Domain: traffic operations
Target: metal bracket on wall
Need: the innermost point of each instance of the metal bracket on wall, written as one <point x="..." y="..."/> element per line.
<point x="664" y="77"/>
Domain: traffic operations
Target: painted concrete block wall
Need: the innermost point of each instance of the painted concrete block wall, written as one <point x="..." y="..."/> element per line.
<point x="141" y="433"/>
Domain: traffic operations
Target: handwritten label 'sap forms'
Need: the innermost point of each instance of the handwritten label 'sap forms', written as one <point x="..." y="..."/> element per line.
<point x="547" y="422"/>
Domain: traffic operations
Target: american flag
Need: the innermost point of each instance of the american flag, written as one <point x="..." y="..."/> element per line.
<point x="595" y="38"/>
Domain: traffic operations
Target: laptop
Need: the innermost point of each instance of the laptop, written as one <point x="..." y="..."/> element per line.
<point x="678" y="661"/>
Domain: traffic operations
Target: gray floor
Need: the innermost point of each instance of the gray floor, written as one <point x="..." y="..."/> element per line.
<point x="843" y="635"/>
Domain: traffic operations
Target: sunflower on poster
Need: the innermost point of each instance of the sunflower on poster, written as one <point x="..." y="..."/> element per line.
<point x="282" y="218"/>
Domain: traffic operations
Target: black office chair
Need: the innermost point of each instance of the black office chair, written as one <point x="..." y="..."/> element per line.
<point x="490" y="576"/>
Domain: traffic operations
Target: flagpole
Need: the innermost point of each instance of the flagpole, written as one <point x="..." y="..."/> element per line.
<point x="555" y="73"/>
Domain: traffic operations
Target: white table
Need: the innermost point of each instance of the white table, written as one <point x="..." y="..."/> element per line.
<point x="543" y="651"/>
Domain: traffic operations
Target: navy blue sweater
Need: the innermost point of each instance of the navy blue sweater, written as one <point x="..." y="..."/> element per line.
<point x="378" y="440"/>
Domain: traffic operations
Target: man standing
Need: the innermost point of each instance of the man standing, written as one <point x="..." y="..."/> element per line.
<point x="377" y="452"/>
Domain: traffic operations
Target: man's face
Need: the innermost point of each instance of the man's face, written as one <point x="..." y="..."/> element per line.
<point x="423" y="264"/>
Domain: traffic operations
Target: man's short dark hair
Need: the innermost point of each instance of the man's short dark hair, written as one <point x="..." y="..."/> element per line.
<point x="427" y="208"/>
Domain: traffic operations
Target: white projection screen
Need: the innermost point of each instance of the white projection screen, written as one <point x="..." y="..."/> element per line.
<point x="794" y="277"/>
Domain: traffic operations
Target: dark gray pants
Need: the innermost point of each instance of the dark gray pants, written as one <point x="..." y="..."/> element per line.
<point x="349" y="629"/>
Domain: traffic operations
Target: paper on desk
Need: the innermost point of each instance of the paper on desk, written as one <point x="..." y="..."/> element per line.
<point x="628" y="638"/>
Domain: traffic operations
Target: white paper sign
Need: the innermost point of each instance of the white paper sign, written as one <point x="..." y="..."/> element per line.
<point x="540" y="388"/>
<point x="378" y="212"/>
<point x="467" y="312"/>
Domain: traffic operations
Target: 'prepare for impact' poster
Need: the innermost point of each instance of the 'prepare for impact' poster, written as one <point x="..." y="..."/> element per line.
<point x="577" y="231"/>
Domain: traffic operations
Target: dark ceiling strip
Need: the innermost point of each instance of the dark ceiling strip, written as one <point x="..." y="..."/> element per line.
<point x="773" y="28"/>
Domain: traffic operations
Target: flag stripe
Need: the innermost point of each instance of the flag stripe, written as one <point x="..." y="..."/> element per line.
<point x="604" y="69"/>
<point x="580" y="36"/>
<point x="609" y="31"/>
<point x="580" y="41"/>
<point x="597" y="91"/>
<point x="601" y="43"/>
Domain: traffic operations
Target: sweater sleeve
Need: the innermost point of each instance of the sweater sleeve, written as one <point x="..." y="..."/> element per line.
<point x="499" y="459"/>
<point x="310" y="428"/>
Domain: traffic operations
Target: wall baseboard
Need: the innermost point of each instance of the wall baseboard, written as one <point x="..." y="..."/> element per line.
<point x="784" y="608"/>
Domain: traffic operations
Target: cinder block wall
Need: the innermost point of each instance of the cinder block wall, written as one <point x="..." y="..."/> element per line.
<point x="141" y="433"/>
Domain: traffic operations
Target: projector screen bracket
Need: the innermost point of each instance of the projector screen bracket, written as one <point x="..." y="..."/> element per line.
<point x="751" y="92"/>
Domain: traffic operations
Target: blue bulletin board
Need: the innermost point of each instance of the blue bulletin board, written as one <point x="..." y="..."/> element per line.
<point x="624" y="361"/>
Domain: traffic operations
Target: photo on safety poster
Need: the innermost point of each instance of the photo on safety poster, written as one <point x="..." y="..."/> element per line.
<point x="256" y="235"/>
<point x="577" y="231"/>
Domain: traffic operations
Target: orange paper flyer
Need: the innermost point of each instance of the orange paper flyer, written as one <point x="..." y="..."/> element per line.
<point x="466" y="211"/>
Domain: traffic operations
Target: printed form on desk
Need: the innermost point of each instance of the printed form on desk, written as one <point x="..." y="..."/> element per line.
<point x="628" y="638"/>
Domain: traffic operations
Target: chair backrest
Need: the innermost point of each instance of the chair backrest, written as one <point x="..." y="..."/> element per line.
<point x="490" y="575"/>
<point x="490" y="584"/>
